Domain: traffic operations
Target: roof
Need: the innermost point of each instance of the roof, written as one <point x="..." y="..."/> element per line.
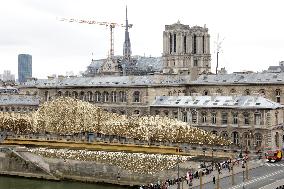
<point x="241" y="102"/>
<point x="108" y="81"/>
<point x="18" y="100"/>
<point x="235" y="78"/>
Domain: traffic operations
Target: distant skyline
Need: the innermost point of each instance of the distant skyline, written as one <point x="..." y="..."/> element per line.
<point x="253" y="31"/>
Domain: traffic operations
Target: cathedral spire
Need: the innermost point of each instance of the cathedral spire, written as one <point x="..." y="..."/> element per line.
<point x="127" y="44"/>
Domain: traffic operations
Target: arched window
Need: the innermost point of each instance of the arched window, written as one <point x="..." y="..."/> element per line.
<point x="66" y="94"/>
<point x="157" y="112"/>
<point x="166" y="112"/>
<point x="122" y="96"/>
<point x="113" y="96"/>
<point x="184" y="116"/>
<point x="82" y="95"/>
<point x="235" y="137"/>
<point x="213" y="118"/>
<point x="12" y="109"/>
<point x="194" y="116"/>
<point x="170" y="93"/>
<point x="246" y="118"/>
<point x="225" y="135"/>
<point x="89" y="96"/>
<point x="204" y="117"/>
<point x="105" y="96"/>
<point x="136" y="96"/>
<point x="278" y="95"/>
<point x="74" y="94"/>
<point x="59" y="93"/>
<point x="97" y="96"/>
<point x="247" y="138"/>
<point x="179" y="92"/>
<point x="258" y="139"/>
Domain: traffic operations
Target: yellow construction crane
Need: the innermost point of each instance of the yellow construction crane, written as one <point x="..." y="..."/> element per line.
<point x="111" y="26"/>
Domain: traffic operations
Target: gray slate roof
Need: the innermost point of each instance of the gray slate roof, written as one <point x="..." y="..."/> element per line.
<point x="19" y="100"/>
<point x="236" y="78"/>
<point x="108" y="81"/>
<point x="241" y="102"/>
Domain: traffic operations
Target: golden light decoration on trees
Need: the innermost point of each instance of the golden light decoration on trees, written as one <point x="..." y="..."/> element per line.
<point x="68" y="116"/>
<point x="134" y="162"/>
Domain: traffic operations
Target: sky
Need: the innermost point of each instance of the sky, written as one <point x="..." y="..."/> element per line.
<point x="251" y="31"/>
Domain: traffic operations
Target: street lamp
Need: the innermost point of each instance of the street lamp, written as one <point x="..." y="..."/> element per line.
<point x="243" y="166"/>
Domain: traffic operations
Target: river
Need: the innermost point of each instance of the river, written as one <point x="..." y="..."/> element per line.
<point x="23" y="183"/>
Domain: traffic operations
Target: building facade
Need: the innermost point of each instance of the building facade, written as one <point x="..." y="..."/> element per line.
<point x="18" y="103"/>
<point x="24" y="67"/>
<point x="250" y="122"/>
<point x="186" y="50"/>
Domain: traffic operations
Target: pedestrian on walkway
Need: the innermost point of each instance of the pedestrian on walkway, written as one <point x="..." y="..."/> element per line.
<point x="214" y="180"/>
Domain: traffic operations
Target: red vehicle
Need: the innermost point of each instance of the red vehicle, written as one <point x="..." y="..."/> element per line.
<point x="274" y="155"/>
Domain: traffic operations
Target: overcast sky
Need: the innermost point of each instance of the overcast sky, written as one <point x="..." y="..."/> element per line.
<point x="253" y="31"/>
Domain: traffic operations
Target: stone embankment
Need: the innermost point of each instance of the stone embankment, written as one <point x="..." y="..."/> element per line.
<point x="20" y="162"/>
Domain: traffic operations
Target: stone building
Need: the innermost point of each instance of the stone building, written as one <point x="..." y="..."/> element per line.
<point x="268" y="85"/>
<point x="18" y="103"/>
<point x="186" y="50"/>
<point x="120" y="94"/>
<point x="251" y="122"/>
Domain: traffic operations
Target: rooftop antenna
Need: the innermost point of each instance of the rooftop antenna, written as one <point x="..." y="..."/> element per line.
<point x="218" y="44"/>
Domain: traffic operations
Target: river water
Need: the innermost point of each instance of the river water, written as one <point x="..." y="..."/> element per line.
<point x="23" y="183"/>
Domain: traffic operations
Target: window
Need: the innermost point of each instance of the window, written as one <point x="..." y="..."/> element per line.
<point x="82" y="95"/>
<point x="97" y="96"/>
<point x="122" y="96"/>
<point x="194" y="116"/>
<point x="175" y="42"/>
<point x="235" y="136"/>
<point x="105" y="96"/>
<point x="258" y="139"/>
<point x="278" y="95"/>
<point x="195" y="62"/>
<point x="247" y="139"/>
<point x="224" y="134"/>
<point x="224" y="118"/>
<point x="233" y="91"/>
<point x="157" y="112"/>
<point x="205" y="93"/>
<point x="262" y="92"/>
<point x="194" y="44"/>
<point x="213" y="116"/>
<point x="214" y="133"/>
<point x="175" y="115"/>
<point x="75" y="94"/>
<point x="66" y="94"/>
<point x="204" y="117"/>
<point x="171" y="43"/>
<point x="89" y="96"/>
<point x="46" y="95"/>
<point x="184" y="44"/>
<point x="59" y="93"/>
<point x="246" y="118"/>
<point x="203" y="44"/>
<point x="166" y="112"/>
<point x="235" y="118"/>
<point x="113" y="96"/>
<point x="136" y="96"/>
<point x="184" y="116"/>
<point x="257" y="118"/>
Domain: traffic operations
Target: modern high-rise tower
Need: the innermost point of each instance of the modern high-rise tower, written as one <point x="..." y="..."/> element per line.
<point x="186" y="50"/>
<point x="127" y="44"/>
<point x="24" y="67"/>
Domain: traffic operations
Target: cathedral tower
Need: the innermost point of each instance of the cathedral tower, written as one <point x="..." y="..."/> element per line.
<point x="186" y="50"/>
